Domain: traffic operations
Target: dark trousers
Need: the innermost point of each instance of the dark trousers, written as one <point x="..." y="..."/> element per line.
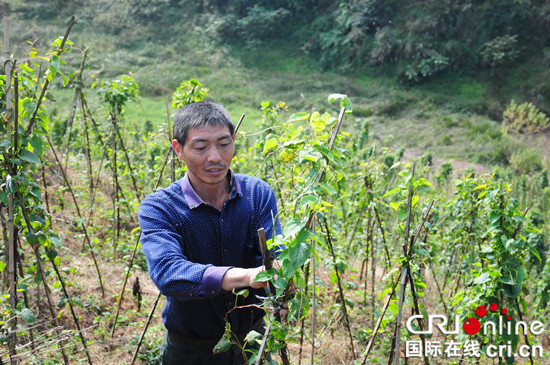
<point x="176" y="353"/>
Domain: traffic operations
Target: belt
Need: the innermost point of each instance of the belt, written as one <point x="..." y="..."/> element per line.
<point x="211" y="342"/>
<point x="193" y="341"/>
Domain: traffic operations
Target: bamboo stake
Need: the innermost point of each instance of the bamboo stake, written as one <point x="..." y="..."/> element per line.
<point x="79" y="214"/>
<point x="60" y="278"/>
<point x="377" y="326"/>
<point x="388" y="259"/>
<point x="116" y="208"/>
<point x="302" y="324"/>
<point x="12" y="275"/>
<point x="145" y="329"/>
<point x="46" y="198"/>
<point x="340" y="290"/>
<point x="419" y="320"/>
<point x="404" y="270"/>
<point x="89" y="162"/>
<point x="311" y="225"/>
<point x="313" y="295"/>
<point x="25" y="296"/>
<point x="51" y="306"/>
<point x="373" y="269"/>
<point x="76" y="98"/>
<point x="46" y="82"/>
<point x="68" y="129"/>
<point x="525" y="336"/>
<point x="259" y="360"/>
<point x="268" y="264"/>
<point x="12" y="278"/>
<point x="129" y="164"/>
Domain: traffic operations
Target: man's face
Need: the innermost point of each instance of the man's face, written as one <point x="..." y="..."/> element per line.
<point x="207" y="153"/>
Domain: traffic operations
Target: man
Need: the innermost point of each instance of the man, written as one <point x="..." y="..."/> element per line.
<point x="200" y="239"/>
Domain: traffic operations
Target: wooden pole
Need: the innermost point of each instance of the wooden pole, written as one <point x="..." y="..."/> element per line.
<point x="46" y="83"/>
<point x="12" y="275"/>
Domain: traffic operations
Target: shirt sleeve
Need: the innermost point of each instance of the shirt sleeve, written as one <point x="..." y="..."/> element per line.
<point x="173" y="274"/>
<point x="268" y="220"/>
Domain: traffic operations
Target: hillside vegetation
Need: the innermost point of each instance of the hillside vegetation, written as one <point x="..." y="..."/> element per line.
<point x="431" y="197"/>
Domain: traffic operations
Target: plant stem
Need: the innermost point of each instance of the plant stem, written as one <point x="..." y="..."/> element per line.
<point x="404" y="270"/>
<point x="377" y="326"/>
<point x="46" y="82"/>
<point x="78" y="212"/>
<point x="60" y="278"/>
<point x="145" y="329"/>
<point x="340" y="289"/>
<point x="116" y="208"/>
<point x="417" y="312"/>
<point x="12" y="275"/>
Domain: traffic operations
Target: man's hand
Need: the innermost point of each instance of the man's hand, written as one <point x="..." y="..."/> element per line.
<point x="237" y="278"/>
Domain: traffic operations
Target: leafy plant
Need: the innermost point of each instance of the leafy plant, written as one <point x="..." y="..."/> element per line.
<point x="524" y="118"/>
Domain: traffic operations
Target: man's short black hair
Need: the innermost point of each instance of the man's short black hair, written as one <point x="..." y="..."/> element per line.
<point x="198" y="115"/>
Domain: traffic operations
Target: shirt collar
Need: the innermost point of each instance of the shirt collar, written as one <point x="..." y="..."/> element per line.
<point x="194" y="200"/>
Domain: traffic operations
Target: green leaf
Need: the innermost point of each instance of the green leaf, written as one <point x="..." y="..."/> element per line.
<point x="4" y="198"/>
<point x="508" y="280"/>
<point x="2" y="266"/>
<point x="223" y="345"/>
<point x="494" y="217"/>
<point x="511" y="291"/>
<point x="303" y="235"/>
<point x="263" y="276"/>
<point x="344" y="100"/>
<point x="391" y="192"/>
<point x="253" y="336"/>
<point x="28" y="316"/>
<point x="535" y="253"/>
<point x="293" y="226"/>
<point x="307" y="200"/>
<point x="298" y="254"/>
<point x="269" y="145"/>
<point x="395" y="205"/>
<point x="393" y="307"/>
<point x="242" y="292"/>
<point x="298" y="116"/>
<point x="403" y="212"/>
<point x="54" y="65"/>
<point x="383" y="294"/>
<point x="483" y="278"/>
<point x="329" y="189"/>
<point x="29" y="157"/>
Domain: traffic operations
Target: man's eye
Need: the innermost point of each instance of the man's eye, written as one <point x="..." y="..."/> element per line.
<point x="225" y="145"/>
<point x="200" y="148"/>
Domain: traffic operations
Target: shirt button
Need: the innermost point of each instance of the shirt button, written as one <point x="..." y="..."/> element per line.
<point x="213" y="292"/>
<point x="190" y="294"/>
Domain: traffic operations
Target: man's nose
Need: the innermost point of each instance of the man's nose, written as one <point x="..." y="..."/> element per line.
<point x="214" y="155"/>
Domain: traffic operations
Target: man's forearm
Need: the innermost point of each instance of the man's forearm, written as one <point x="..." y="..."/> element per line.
<point x="238" y="277"/>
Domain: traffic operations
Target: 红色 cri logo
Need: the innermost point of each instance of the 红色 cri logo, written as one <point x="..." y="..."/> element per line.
<point x="489" y="320"/>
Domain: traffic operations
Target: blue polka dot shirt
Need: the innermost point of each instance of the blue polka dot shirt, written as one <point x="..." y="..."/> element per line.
<point x="190" y="245"/>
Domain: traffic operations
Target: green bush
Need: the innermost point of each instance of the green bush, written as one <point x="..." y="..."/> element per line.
<point x="499" y="51"/>
<point x="526" y="161"/>
<point x="524" y="118"/>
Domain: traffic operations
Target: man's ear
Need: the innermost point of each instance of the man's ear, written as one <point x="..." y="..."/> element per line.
<point x="177" y="148"/>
